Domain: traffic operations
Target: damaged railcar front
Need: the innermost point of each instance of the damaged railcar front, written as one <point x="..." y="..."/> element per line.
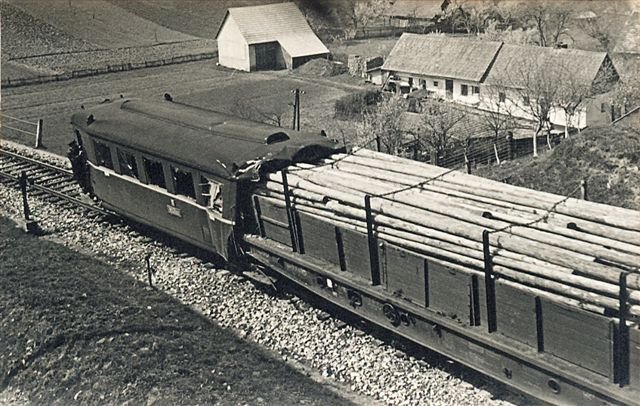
<point x="184" y="170"/>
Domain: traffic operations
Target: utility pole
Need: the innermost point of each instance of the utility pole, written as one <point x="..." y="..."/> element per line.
<point x="296" y="108"/>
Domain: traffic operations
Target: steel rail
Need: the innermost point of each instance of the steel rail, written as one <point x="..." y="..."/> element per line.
<point x="48" y="190"/>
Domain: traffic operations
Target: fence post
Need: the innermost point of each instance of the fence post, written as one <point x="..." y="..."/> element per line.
<point x="583" y="190"/>
<point x="25" y="201"/>
<point x="510" y="145"/>
<point x="39" y="134"/>
<point x="434" y="157"/>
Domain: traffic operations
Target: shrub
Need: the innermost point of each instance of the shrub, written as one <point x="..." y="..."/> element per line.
<point x="356" y="104"/>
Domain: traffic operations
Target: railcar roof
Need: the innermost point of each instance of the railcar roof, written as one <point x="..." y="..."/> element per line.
<point x="228" y="146"/>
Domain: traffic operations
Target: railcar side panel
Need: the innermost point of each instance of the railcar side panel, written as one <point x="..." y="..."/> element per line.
<point x="150" y="205"/>
<point x="516" y="314"/>
<point x="542" y="347"/>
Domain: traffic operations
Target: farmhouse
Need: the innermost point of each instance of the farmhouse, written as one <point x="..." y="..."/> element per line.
<point x="272" y="36"/>
<point x="490" y="75"/>
<point x="446" y="67"/>
<point x="588" y="74"/>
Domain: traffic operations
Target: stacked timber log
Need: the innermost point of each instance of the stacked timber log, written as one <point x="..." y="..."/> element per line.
<point x="567" y="250"/>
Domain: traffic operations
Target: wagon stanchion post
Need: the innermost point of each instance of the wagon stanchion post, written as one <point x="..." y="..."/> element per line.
<point x="622" y="352"/>
<point x="372" y="242"/>
<point x="290" y="216"/>
<point x="489" y="282"/>
<point x="39" y="134"/>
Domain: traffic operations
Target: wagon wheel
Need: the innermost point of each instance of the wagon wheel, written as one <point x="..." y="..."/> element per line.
<point x="391" y="313"/>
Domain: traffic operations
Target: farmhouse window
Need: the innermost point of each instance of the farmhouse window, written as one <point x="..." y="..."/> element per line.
<point x="127" y="163"/>
<point x="476" y="90"/>
<point x="410" y="82"/>
<point x="435" y="83"/>
<point x="423" y="84"/>
<point x="212" y="193"/>
<point x="502" y="97"/>
<point x="103" y="154"/>
<point x="464" y="90"/>
<point x="183" y="182"/>
<point x="603" y="107"/>
<point x="154" y="171"/>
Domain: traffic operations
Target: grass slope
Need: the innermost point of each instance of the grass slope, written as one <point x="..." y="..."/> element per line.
<point x="608" y="158"/>
<point x="24" y="35"/>
<point x="73" y="328"/>
<point x="199" y="18"/>
<point x="100" y="22"/>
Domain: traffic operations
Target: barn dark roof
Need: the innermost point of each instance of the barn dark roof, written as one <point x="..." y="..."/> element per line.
<point x="228" y="146"/>
<point x="441" y="56"/>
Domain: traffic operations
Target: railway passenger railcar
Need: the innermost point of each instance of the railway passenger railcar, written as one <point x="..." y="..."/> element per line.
<point x="201" y="176"/>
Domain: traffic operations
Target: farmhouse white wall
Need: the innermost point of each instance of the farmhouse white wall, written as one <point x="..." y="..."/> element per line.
<point x="440" y="89"/>
<point x="233" y="50"/>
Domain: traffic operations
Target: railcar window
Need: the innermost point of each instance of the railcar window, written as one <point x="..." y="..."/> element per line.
<point x="128" y="165"/>
<point x="103" y="154"/>
<point x="154" y="172"/>
<point x="212" y="193"/>
<point x="183" y="182"/>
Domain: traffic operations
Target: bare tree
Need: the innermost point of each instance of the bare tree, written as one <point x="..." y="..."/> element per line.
<point x="477" y="16"/>
<point x="384" y="123"/>
<point x="536" y="88"/>
<point x="443" y="124"/>
<point x="549" y="18"/>
<point x="600" y="29"/>
<point x="497" y="117"/>
<point x="362" y="13"/>
<point x="508" y="35"/>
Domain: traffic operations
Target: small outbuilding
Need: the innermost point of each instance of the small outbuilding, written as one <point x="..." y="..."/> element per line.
<point x="272" y="36"/>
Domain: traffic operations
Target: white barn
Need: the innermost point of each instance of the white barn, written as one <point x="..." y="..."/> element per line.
<point x="272" y="36"/>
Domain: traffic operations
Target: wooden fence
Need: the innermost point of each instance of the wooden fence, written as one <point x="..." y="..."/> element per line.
<point x="485" y="150"/>
<point x="6" y="83"/>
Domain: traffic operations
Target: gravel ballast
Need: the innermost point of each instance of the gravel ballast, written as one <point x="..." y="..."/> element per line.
<point x="337" y="352"/>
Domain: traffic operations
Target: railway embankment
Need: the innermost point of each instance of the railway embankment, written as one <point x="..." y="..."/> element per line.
<point x="91" y="275"/>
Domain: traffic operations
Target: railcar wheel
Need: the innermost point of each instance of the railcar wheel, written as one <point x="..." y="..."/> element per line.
<point x="355" y="299"/>
<point x="391" y="313"/>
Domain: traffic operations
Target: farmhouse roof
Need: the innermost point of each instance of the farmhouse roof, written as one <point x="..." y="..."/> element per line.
<point x="224" y="145"/>
<point x="514" y="60"/>
<point x="281" y="22"/>
<point x="440" y="56"/>
<point x="425" y="9"/>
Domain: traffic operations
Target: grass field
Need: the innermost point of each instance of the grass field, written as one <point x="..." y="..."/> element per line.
<point x="199" y="83"/>
<point x="75" y="329"/>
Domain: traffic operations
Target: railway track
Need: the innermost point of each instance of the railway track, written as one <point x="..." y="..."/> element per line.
<point x="49" y="182"/>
